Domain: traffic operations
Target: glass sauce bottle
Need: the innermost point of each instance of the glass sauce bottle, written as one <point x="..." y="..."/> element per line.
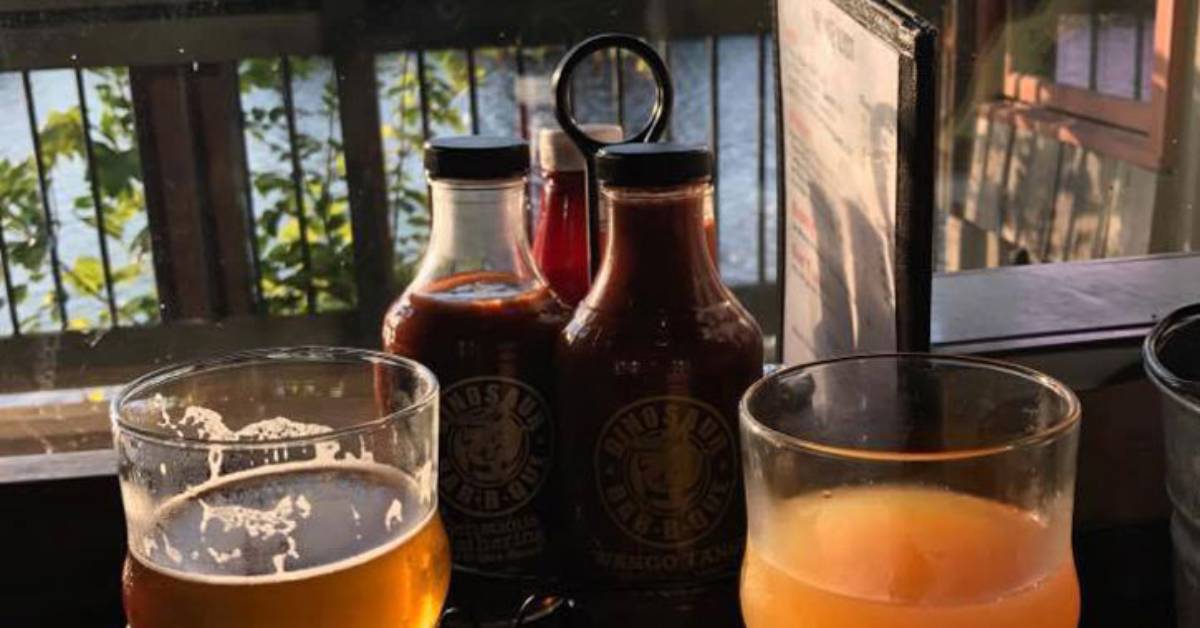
<point x="483" y="319"/>
<point x="560" y="243"/>
<point x="651" y="369"/>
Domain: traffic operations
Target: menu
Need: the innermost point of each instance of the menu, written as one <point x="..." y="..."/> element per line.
<point x="847" y="184"/>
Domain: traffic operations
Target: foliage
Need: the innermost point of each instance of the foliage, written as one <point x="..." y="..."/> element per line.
<point x="445" y="78"/>
<point x="320" y="256"/>
<point x="282" y="247"/>
<point x="327" y="234"/>
<point x="119" y="187"/>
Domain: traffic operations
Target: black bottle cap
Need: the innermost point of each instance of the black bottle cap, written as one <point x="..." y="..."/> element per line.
<point x="476" y="157"/>
<point x="653" y="165"/>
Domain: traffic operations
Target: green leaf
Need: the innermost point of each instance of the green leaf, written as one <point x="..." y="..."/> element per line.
<point x="86" y="276"/>
<point x="61" y="136"/>
<point x="20" y="292"/>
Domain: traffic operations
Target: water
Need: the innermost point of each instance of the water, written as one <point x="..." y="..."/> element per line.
<point x="739" y="191"/>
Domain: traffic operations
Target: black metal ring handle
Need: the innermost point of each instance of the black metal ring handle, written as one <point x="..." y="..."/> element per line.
<point x="664" y="100"/>
<point x="564" y="110"/>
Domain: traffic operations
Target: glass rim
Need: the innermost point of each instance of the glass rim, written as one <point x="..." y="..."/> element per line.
<point x="1179" y="388"/>
<point x="313" y="354"/>
<point x="1069" y="421"/>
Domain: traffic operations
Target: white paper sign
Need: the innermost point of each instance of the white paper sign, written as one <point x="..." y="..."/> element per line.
<point x="840" y="92"/>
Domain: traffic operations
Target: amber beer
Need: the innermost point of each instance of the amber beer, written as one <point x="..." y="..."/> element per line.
<point x="303" y="554"/>
<point x="650" y="371"/>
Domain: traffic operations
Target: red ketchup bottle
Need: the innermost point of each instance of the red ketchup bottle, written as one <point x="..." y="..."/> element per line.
<point x="560" y="243"/>
<point x="484" y="320"/>
<point x="650" y="371"/>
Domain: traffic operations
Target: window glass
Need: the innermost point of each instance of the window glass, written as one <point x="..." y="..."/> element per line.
<point x="1065" y="126"/>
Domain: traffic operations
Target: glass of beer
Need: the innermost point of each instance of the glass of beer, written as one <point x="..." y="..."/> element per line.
<point x="282" y="488"/>
<point x="909" y="491"/>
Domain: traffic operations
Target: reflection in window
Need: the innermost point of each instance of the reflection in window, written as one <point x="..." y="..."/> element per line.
<point x="1062" y="144"/>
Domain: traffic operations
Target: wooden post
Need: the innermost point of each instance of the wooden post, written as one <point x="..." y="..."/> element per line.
<point x="194" y="168"/>
<point x="366" y="176"/>
<point x="222" y="158"/>
<point x="173" y="192"/>
<point x="366" y="179"/>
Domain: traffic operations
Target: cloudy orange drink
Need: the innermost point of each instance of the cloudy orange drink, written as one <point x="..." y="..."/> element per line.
<point x="900" y="557"/>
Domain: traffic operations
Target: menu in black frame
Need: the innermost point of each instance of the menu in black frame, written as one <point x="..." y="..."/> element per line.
<point x="857" y="115"/>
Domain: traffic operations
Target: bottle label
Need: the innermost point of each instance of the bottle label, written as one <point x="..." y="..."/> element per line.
<point x="666" y="472"/>
<point x="497" y="442"/>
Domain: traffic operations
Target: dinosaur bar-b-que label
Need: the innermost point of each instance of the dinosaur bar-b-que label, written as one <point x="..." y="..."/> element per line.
<point x="496" y="448"/>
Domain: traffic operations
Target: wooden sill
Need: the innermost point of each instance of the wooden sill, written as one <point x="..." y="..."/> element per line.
<point x="1037" y="91"/>
<point x="1116" y="142"/>
<point x="1104" y="306"/>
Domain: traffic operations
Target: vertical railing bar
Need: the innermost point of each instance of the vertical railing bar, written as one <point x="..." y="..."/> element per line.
<point x="60" y="295"/>
<point x="714" y="126"/>
<point x="524" y="131"/>
<point x="94" y="180"/>
<point x="522" y="115"/>
<point x="1094" y="57"/>
<point x="422" y="92"/>
<point x="8" y="284"/>
<point x="1139" y="58"/>
<point x="255" y="262"/>
<point x="762" y="158"/>
<point x="472" y="91"/>
<point x="618" y="80"/>
<point x="423" y="97"/>
<point x="665" y="46"/>
<point x="289" y="108"/>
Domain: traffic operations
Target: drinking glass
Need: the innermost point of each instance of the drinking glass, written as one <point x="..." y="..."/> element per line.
<point x="290" y="487"/>
<point x="901" y="491"/>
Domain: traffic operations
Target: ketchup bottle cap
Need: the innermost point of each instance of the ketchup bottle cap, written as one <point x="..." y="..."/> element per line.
<point x="558" y="153"/>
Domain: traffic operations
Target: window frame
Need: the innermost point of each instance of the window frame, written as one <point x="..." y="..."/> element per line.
<point x="1129" y="130"/>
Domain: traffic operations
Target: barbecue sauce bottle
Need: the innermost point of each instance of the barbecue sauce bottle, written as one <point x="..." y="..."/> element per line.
<point x="651" y="369"/>
<point x="482" y="318"/>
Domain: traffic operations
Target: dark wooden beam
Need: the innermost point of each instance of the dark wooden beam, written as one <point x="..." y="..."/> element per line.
<point x="358" y="103"/>
<point x="174" y="189"/>
<point x="110" y="357"/>
<point x="197" y="194"/>
<point x="221" y="156"/>
<point x="160" y="34"/>
<point x="158" y="41"/>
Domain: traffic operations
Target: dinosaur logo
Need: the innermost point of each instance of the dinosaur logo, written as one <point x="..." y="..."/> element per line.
<point x="666" y="470"/>
<point x="496" y="445"/>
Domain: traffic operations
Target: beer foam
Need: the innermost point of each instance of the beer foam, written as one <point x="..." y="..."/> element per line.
<point x="175" y="555"/>
<point x="279" y="522"/>
<point x="425" y="477"/>
<point x="208" y="425"/>
<point x="263" y="524"/>
<point x="394" y="515"/>
<point x="220" y="557"/>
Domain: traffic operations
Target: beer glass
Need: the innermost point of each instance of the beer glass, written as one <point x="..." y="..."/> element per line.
<point x="909" y="491"/>
<point x="291" y="487"/>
